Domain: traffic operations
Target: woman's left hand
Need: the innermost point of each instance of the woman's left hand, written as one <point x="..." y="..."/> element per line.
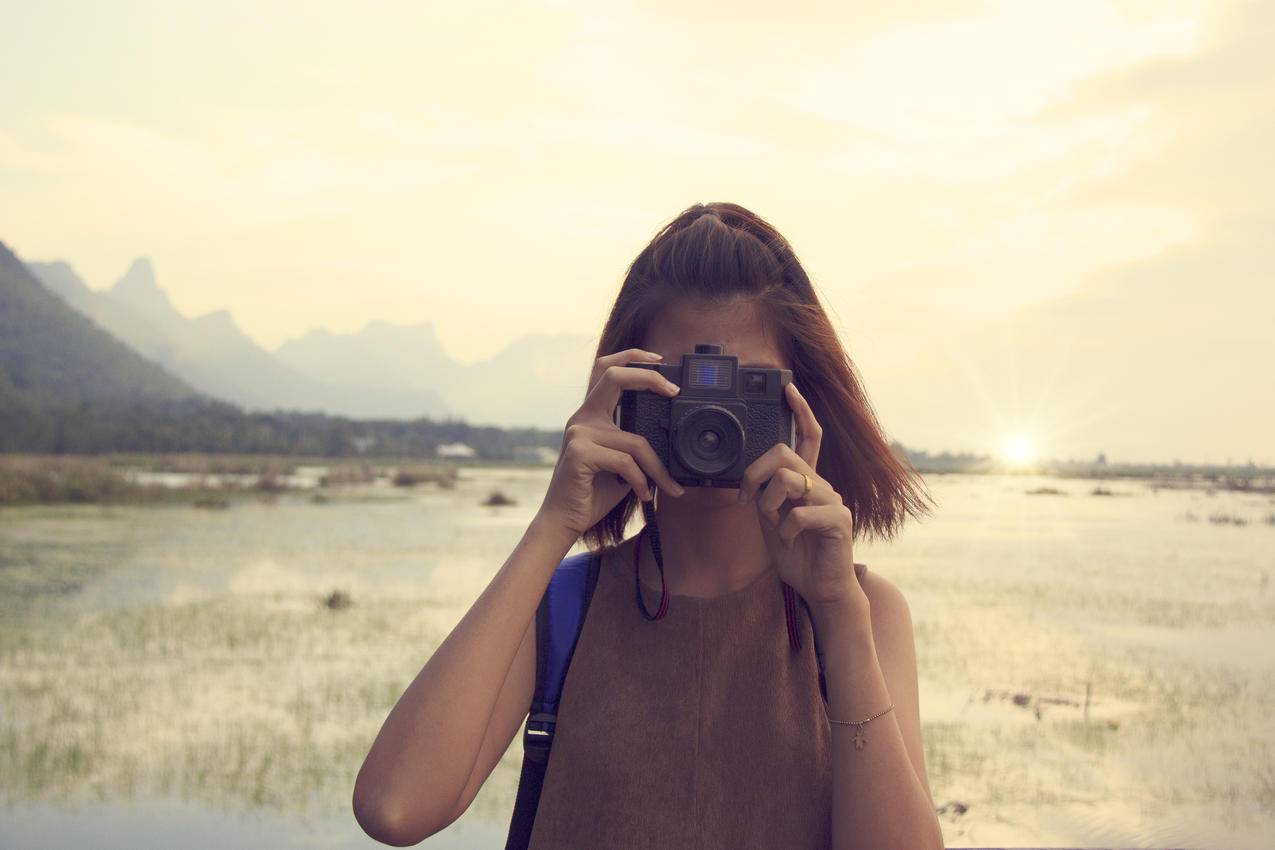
<point x="809" y="538"/>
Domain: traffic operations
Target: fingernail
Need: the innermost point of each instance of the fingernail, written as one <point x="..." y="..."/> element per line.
<point x="743" y="496"/>
<point x="652" y="354"/>
<point x="678" y="489"/>
<point x="672" y="386"/>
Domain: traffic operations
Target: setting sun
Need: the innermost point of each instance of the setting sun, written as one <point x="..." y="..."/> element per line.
<point x="1018" y="450"/>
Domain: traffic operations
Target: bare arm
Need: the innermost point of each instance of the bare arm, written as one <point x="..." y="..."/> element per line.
<point x="881" y="795"/>
<point x="413" y="776"/>
<point x="445" y="734"/>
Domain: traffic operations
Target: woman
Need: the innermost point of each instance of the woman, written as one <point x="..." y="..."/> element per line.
<point x="705" y="727"/>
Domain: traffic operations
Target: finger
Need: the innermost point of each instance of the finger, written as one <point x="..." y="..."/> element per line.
<point x="770" y="533"/>
<point x="785" y="484"/>
<point x="829" y="521"/>
<point x="615" y="379"/>
<point x="621" y="358"/>
<point x="790" y="484"/>
<point x="809" y="431"/>
<point x="760" y="470"/>
<point x="603" y="458"/>
<point x="640" y="448"/>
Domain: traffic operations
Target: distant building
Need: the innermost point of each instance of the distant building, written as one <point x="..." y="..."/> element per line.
<point x="542" y="455"/>
<point x="362" y="444"/>
<point x="459" y="450"/>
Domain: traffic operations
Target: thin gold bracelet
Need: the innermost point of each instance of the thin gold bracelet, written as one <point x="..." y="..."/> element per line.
<point x="859" y="740"/>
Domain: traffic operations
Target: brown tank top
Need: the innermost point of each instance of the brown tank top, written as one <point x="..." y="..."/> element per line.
<point x="704" y="729"/>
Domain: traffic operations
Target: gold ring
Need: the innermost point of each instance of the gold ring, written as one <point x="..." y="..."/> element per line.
<point x="809" y="485"/>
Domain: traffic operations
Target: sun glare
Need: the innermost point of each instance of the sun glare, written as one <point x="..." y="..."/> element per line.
<point x="1018" y="450"/>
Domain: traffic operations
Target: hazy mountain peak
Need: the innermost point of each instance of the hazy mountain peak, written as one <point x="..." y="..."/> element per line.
<point x="420" y="331"/>
<point x="380" y="354"/>
<point x="138" y="288"/>
<point x="139" y="277"/>
<point x="217" y="320"/>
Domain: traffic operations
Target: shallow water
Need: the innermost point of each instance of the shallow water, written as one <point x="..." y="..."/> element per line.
<point x="169" y="670"/>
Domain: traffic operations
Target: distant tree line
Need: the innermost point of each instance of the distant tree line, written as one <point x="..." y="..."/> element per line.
<point x="201" y="424"/>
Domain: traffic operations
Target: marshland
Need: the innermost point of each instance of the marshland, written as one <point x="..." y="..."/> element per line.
<point x="1088" y="665"/>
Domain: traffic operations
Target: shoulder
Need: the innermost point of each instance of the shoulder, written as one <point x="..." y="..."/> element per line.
<point x="881" y="592"/>
<point x="890" y="612"/>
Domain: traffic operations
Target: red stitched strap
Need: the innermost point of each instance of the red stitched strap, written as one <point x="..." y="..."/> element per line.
<point x="790" y="614"/>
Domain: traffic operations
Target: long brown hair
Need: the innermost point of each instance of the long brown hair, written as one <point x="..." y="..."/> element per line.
<point x="720" y="252"/>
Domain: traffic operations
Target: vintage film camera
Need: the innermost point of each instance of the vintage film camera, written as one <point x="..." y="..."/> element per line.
<point x="724" y="418"/>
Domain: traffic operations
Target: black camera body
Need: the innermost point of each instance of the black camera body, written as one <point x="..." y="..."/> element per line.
<point x="724" y="417"/>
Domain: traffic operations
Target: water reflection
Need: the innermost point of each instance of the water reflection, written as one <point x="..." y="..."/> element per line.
<point x="1094" y="670"/>
<point x="197" y="826"/>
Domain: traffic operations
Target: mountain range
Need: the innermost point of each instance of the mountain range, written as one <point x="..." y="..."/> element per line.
<point x="384" y="370"/>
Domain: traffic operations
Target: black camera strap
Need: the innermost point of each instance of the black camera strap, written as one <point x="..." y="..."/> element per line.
<point x="648" y="511"/>
<point x="790" y="596"/>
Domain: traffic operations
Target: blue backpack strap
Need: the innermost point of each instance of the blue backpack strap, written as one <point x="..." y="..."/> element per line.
<point x="559" y="619"/>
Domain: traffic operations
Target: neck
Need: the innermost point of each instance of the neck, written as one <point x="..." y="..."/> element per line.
<point x="710" y="543"/>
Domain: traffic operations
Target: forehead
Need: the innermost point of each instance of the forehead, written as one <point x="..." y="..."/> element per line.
<point x="736" y="325"/>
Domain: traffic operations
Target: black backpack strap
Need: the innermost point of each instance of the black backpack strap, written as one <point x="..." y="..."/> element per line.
<point x="559" y="619"/>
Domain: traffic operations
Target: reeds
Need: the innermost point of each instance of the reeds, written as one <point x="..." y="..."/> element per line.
<point x="206" y="481"/>
<point x="33" y="479"/>
<point x="421" y="473"/>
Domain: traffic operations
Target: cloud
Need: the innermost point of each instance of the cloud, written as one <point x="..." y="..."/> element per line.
<point x="968" y="79"/>
<point x="244" y="175"/>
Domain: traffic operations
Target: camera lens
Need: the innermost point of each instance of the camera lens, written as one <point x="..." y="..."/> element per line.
<point x="709" y="440"/>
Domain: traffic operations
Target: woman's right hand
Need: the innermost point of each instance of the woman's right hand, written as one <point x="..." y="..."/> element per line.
<point x="600" y="462"/>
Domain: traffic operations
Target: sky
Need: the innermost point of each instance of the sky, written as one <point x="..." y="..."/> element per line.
<point x="1040" y="228"/>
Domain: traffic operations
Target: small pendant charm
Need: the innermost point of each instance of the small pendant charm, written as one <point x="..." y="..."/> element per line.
<point x="859" y="740"/>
